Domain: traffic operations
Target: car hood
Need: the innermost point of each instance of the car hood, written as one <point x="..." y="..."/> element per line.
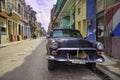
<point x="74" y="43"/>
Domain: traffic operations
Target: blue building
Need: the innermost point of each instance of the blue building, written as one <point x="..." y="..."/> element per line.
<point x="91" y="19"/>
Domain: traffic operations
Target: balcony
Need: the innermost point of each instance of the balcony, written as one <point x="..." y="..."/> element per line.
<point x="16" y="13"/>
<point x="13" y="11"/>
<point x="2" y="6"/>
<point x="59" y="6"/>
<point x="25" y="16"/>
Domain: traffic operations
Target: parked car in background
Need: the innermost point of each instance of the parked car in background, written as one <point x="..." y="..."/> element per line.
<point x="67" y="45"/>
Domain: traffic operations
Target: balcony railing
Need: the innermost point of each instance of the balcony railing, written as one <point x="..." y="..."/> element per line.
<point x="59" y="6"/>
<point x="13" y="8"/>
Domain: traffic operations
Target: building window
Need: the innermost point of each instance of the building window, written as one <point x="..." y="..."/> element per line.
<point x="19" y="8"/>
<point x="78" y="11"/>
<point x="100" y="30"/>
<point x="19" y="29"/>
<point x="3" y="29"/>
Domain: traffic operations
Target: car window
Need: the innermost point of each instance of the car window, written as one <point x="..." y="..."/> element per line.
<point x="58" y="33"/>
<point x="66" y="33"/>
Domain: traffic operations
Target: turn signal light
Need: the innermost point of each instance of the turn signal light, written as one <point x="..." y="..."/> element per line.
<point x="54" y="53"/>
<point x="99" y="53"/>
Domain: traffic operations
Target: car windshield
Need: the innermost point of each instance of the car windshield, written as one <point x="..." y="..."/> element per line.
<point x="66" y="33"/>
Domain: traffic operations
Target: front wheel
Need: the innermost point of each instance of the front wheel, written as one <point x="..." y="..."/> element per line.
<point x="51" y="65"/>
<point x="91" y="66"/>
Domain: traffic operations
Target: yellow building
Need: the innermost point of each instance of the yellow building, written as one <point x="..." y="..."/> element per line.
<point x="10" y="15"/>
<point x="15" y="18"/>
<point x="3" y="30"/>
<point x="4" y="38"/>
<point x="37" y="29"/>
<point x="80" y="17"/>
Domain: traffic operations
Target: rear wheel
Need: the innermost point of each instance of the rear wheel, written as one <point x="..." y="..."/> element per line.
<point x="51" y="65"/>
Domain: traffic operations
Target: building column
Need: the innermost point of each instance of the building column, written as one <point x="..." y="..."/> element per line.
<point x="10" y="30"/>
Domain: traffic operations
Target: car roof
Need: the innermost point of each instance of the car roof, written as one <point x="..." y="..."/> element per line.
<point x="65" y="29"/>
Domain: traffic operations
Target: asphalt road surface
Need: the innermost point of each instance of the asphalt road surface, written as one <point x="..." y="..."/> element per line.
<point x="35" y="68"/>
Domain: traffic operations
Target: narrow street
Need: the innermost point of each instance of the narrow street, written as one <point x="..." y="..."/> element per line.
<point x="76" y="31"/>
<point x="31" y="64"/>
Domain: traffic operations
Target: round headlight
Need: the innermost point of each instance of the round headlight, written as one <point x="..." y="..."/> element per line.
<point x="100" y="46"/>
<point x="54" y="45"/>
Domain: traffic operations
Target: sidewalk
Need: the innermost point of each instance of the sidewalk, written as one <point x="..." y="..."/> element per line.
<point x="11" y="43"/>
<point x="111" y="67"/>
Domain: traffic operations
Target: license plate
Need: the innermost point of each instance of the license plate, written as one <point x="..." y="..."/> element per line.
<point x="78" y="61"/>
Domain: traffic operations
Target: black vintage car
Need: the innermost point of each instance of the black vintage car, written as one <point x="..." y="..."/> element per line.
<point x="67" y="45"/>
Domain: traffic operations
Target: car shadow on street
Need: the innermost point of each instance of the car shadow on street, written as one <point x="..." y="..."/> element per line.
<point x="69" y="66"/>
<point x="35" y="68"/>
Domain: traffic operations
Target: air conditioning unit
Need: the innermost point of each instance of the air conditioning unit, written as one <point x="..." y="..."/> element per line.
<point x="89" y="22"/>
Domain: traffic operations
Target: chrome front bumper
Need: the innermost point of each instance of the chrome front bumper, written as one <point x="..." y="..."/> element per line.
<point x="98" y="60"/>
<point x="67" y="59"/>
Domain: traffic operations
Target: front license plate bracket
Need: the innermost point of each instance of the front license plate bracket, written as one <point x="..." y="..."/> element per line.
<point x="78" y="61"/>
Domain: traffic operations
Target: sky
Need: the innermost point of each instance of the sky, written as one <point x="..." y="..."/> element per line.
<point x="43" y="8"/>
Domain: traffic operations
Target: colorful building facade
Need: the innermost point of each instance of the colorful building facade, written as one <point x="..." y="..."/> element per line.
<point x="80" y="17"/>
<point x="3" y="23"/>
<point x="107" y="25"/>
<point x="63" y="14"/>
<point x="15" y="21"/>
<point x="68" y="15"/>
<point x="112" y="32"/>
<point x="97" y="20"/>
<point x="3" y="30"/>
<point x="91" y="19"/>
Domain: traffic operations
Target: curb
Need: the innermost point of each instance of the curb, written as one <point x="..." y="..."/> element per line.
<point x="107" y="73"/>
